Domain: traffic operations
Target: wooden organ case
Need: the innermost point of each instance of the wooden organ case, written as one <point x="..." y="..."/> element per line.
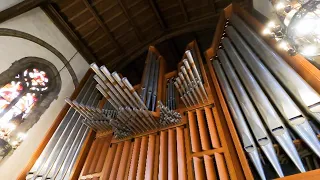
<point x="204" y="145"/>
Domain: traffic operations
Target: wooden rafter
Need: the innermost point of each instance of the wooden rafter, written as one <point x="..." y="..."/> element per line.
<point x="135" y="28"/>
<point x="103" y="26"/>
<point x="67" y="31"/>
<point x="213" y="5"/>
<point x="184" y="11"/>
<point x="157" y="13"/>
<point x="172" y="32"/>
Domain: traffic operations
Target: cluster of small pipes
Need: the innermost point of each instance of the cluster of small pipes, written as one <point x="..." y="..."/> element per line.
<point x="94" y="117"/>
<point x="167" y="116"/>
<point x="170" y="95"/>
<point x="132" y="115"/>
<point x="189" y="83"/>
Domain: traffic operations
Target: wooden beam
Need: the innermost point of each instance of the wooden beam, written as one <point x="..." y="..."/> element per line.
<point x="103" y="26"/>
<point x="67" y="31"/>
<point x="20" y="8"/>
<point x="157" y="13"/>
<point x="184" y="11"/>
<point x="212" y="4"/>
<point x="126" y="13"/>
<point x="191" y="26"/>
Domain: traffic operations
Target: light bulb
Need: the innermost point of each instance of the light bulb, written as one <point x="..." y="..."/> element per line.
<point x="14" y="143"/>
<point x="280" y="6"/>
<point x="283" y="45"/>
<point x="309" y="50"/>
<point x="271" y="24"/>
<point x="22" y="136"/>
<point x="266" y="31"/>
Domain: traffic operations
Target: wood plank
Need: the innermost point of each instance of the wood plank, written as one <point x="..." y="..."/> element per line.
<point x="150" y="157"/>
<point x="129" y="161"/>
<point x="108" y="162"/>
<point x="188" y="154"/>
<point x="97" y="153"/>
<point x="221" y="166"/>
<point x="163" y="163"/>
<point x="116" y="161"/>
<point x="134" y="159"/>
<point x="103" y="26"/>
<point x="124" y="160"/>
<point x="194" y="132"/>
<point x="172" y="155"/>
<point x="182" y="162"/>
<point x="210" y="169"/>
<point x="157" y="13"/>
<point x="215" y="142"/>
<point x="199" y="168"/>
<point x="204" y="135"/>
<point x="156" y="158"/>
<point x="103" y="154"/>
<point x="142" y="158"/>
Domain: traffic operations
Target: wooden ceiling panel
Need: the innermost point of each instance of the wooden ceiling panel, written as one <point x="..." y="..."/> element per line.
<point x="109" y="56"/>
<point x="74" y="9"/>
<point x="91" y="25"/>
<point x="221" y="4"/>
<point x="129" y="40"/>
<point x="199" y="12"/>
<point x="115" y="20"/>
<point x="66" y="4"/>
<point x="102" y="50"/>
<point x="77" y="20"/>
<point x="117" y="32"/>
<point x="175" y="20"/>
<point x="102" y="5"/>
<point x="100" y="41"/>
<point x="93" y="36"/>
<point x="121" y="29"/>
<point x="139" y="7"/>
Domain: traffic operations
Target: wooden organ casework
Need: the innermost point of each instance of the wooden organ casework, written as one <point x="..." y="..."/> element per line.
<point x="190" y="129"/>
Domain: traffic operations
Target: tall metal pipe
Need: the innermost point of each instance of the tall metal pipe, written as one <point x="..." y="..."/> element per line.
<point x="268" y="113"/>
<point x="252" y="116"/>
<point x="280" y="98"/>
<point x="302" y="91"/>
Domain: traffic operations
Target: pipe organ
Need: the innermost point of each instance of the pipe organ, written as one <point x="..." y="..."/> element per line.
<point x="244" y="114"/>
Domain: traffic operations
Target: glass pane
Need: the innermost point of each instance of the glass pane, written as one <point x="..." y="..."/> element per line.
<point x="11" y="91"/>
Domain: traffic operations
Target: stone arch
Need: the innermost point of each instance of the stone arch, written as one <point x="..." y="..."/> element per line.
<point x="46" y="99"/>
<point x="29" y="37"/>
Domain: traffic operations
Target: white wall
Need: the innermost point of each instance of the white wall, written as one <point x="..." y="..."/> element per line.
<point x="36" y="22"/>
<point x="5" y="4"/>
<point x="264" y="7"/>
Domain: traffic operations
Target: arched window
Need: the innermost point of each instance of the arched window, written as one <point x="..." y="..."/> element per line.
<point x="30" y="85"/>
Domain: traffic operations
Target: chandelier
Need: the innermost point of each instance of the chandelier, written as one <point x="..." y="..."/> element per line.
<point x="297" y="28"/>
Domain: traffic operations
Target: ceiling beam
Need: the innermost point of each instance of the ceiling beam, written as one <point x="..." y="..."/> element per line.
<point x="191" y="26"/>
<point x="67" y="31"/>
<point x="103" y="26"/>
<point x="20" y="8"/>
<point x="126" y="13"/>
<point x="184" y="11"/>
<point x="213" y="5"/>
<point x="157" y="13"/>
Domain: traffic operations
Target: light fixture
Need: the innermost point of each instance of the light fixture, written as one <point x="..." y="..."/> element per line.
<point x="297" y="28"/>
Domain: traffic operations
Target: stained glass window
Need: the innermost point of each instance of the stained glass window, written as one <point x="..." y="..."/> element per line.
<point x="18" y="97"/>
